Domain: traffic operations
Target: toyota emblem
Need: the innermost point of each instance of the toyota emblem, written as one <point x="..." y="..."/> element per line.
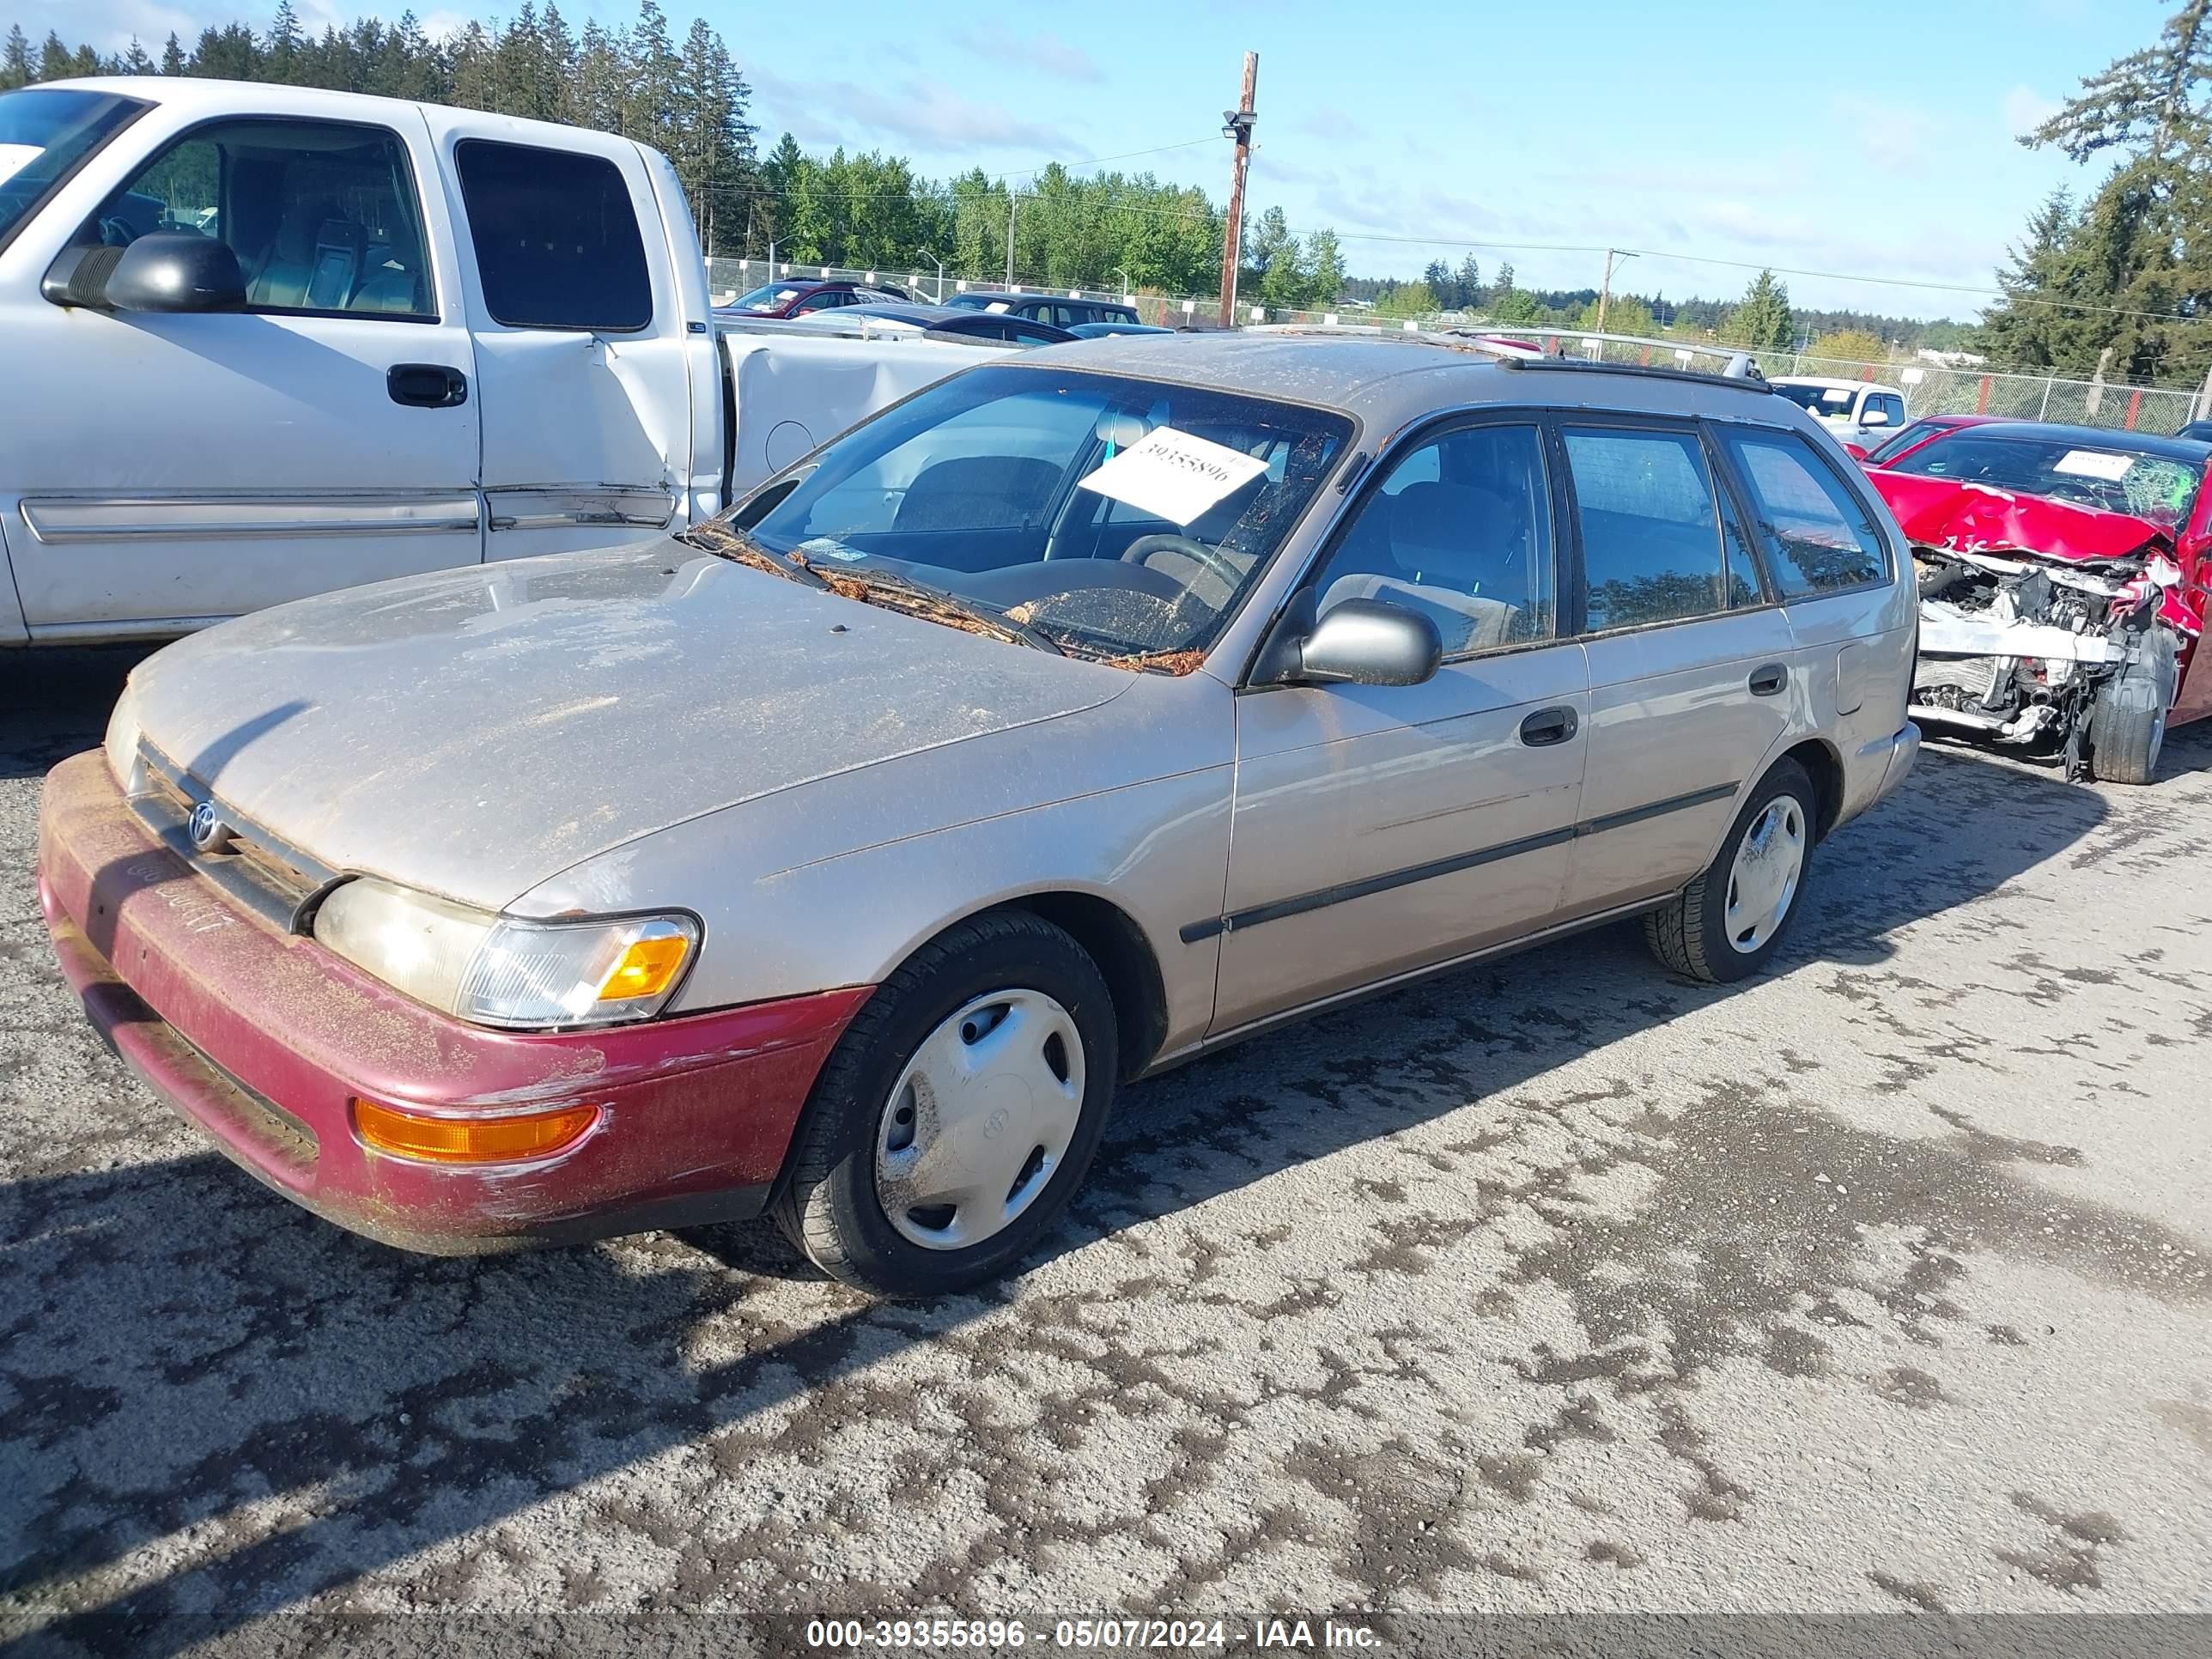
<point x="208" y="832"/>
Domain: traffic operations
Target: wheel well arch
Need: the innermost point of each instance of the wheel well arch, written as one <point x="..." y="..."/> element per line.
<point x="1826" y="768"/>
<point x="1125" y="956"/>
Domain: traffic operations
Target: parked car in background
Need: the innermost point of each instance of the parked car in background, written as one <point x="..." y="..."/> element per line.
<point x="945" y="323"/>
<point x="263" y="341"/>
<point x="1855" y="411"/>
<point x="805" y="299"/>
<point x="1925" y="430"/>
<point x="1058" y="309"/>
<point x="1107" y="331"/>
<point x="2063" y="577"/>
<point x="2200" y="431"/>
<point x="1096" y="707"/>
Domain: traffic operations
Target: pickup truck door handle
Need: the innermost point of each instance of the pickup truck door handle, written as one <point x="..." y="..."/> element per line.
<point x="427" y="386"/>
<point x="1768" y="679"/>
<point x="1549" y="726"/>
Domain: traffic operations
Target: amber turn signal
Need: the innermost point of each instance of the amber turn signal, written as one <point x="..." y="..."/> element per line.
<point x="647" y="969"/>
<point x="470" y="1139"/>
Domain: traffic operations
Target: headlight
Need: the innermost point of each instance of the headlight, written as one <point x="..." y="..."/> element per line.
<point x="496" y="971"/>
<point x="122" y="743"/>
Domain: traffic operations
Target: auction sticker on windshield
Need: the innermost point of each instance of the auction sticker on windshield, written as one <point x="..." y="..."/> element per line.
<point x="2093" y="464"/>
<point x="1173" y="475"/>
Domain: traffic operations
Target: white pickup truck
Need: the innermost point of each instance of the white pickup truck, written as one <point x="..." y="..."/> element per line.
<point x="264" y="341"/>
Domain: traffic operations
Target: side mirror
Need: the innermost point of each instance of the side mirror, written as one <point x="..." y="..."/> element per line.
<point x="1875" y="417"/>
<point x="1359" y="642"/>
<point x="165" y="270"/>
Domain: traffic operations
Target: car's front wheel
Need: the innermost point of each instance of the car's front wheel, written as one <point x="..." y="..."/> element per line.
<point x="958" y="1113"/>
<point x="1726" y="924"/>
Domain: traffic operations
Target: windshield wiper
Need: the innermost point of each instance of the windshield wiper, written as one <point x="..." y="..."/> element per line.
<point x="897" y="592"/>
<point x="724" y="543"/>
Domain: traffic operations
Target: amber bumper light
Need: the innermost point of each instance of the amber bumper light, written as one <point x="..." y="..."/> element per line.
<point x="470" y="1139"/>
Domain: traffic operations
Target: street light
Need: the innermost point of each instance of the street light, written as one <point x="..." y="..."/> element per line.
<point x="1605" y="287"/>
<point x="927" y="254"/>
<point x="1123" y="274"/>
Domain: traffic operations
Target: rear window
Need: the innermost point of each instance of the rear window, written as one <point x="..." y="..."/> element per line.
<point x="556" y="241"/>
<point x="1830" y="401"/>
<point x="1903" y="440"/>
<point x="1817" y="536"/>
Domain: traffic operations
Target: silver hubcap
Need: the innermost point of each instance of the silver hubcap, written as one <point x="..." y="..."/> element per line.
<point x="976" y="1126"/>
<point x="1763" y="880"/>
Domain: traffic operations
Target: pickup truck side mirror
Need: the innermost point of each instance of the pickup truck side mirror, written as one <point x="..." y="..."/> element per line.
<point x="163" y="270"/>
<point x="1359" y="642"/>
<point x="1875" y="417"/>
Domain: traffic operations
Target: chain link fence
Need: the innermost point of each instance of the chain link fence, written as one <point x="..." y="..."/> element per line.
<point x="1929" y="389"/>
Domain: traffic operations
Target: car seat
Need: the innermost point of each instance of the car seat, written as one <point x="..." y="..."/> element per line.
<point x="313" y="261"/>
<point x="977" y="492"/>
<point x="1447" y="543"/>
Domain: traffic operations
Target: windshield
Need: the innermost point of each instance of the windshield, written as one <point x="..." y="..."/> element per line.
<point x="1118" y="518"/>
<point x="1903" y="440"/>
<point x="2151" y="487"/>
<point x="774" y="297"/>
<point x="45" y="132"/>
<point x="1830" y="401"/>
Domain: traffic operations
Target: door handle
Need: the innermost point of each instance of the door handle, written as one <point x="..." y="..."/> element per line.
<point x="1549" y="726"/>
<point x="427" y="386"/>
<point x="1768" y="679"/>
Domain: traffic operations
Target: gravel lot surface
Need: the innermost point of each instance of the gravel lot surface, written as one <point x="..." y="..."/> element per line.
<point x="1879" y="1283"/>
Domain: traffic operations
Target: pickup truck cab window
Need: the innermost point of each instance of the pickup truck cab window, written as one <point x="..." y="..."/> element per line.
<point x="1459" y="531"/>
<point x="556" y="241"/>
<point x="1652" y="550"/>
<point x="45" y="133"/>
<point x="323" y="215"/>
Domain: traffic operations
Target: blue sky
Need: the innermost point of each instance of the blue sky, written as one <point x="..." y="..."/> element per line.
<point x="1871" y="137"/>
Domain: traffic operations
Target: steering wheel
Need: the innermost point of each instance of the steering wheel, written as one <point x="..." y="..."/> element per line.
<point x="1213" y="558"/>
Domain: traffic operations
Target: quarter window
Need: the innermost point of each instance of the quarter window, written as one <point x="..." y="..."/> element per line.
<point x="322" y="216"/>
<point x="1461" y="531"/>
<point x="556" y="241"/>
<point x="1818" y="538"/>
<point x="1650" y="530"/>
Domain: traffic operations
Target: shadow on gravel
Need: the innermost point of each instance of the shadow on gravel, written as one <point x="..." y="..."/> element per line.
<point x="184" y="1356"/>
<point x="54" y="702"/>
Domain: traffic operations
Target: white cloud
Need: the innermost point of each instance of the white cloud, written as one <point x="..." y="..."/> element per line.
<point x="2025" y="109"/>
<point x="1045" y="52"/>
<point x="920" y="111"/>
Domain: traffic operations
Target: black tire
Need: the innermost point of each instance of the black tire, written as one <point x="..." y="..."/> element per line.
<point x="2127" y="721"/>
<point x="829" y="1205"/>
<point x="1689" y="932"/>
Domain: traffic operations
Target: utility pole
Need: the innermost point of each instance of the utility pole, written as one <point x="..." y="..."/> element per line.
<point x="1237" y="125"/>
<point x="1013" y="195"/>
<point x="1605" y="284"/>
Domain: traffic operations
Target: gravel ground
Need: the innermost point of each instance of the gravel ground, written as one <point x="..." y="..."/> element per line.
<point x="1879" y="1282"/>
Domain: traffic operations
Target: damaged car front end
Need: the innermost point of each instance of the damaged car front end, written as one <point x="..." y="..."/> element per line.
<point x="2060" y="627"/>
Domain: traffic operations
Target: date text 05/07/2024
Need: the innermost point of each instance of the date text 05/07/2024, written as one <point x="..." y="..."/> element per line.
<point x="989" y="1635"/>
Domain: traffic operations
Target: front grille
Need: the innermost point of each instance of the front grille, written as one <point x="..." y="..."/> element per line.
<point x="275" y="881"/>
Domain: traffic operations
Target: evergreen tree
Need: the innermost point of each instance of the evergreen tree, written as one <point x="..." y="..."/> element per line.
<point x="1762" y="319"/>
<point x="1327" y="260"/>
<point x="1468" y="283"/>
<point x="283" y="47"/>
<point x="56" y="62"/>
<point x="173" y="55"/>
<point x="1438" y="278"/>
<point x="135" y="60"/>
<point x="16" y="68"/>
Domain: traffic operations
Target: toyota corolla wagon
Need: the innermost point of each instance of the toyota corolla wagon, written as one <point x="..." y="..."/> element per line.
<point x="1083" y="713"/>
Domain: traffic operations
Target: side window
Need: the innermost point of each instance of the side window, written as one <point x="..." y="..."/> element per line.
<point x="1889" y="406"/>
<point x="1652" y="541"/>
<point x="1818" y="537"/>
<point x="323" y="217"/>
<point x="557" y="241"/>
<point x="1461" y="531"/>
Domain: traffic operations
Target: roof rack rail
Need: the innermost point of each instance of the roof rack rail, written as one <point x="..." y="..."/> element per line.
<point x="1522" y="346"/>
<point x="859" y="328"/>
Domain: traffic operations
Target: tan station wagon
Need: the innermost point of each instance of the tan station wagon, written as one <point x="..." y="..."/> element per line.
<point x="1078" y="714"/>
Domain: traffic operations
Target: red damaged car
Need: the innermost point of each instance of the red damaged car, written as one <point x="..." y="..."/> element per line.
<point x="2063" y="587"/>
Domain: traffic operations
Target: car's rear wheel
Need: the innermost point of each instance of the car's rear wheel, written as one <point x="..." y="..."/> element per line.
<point x="958" y="1113"/>
<point x="1726" y="924"/>
<point x="2127" y="721"/>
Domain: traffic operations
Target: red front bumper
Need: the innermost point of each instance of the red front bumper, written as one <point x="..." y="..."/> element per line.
<point x="263" y="1038"/>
